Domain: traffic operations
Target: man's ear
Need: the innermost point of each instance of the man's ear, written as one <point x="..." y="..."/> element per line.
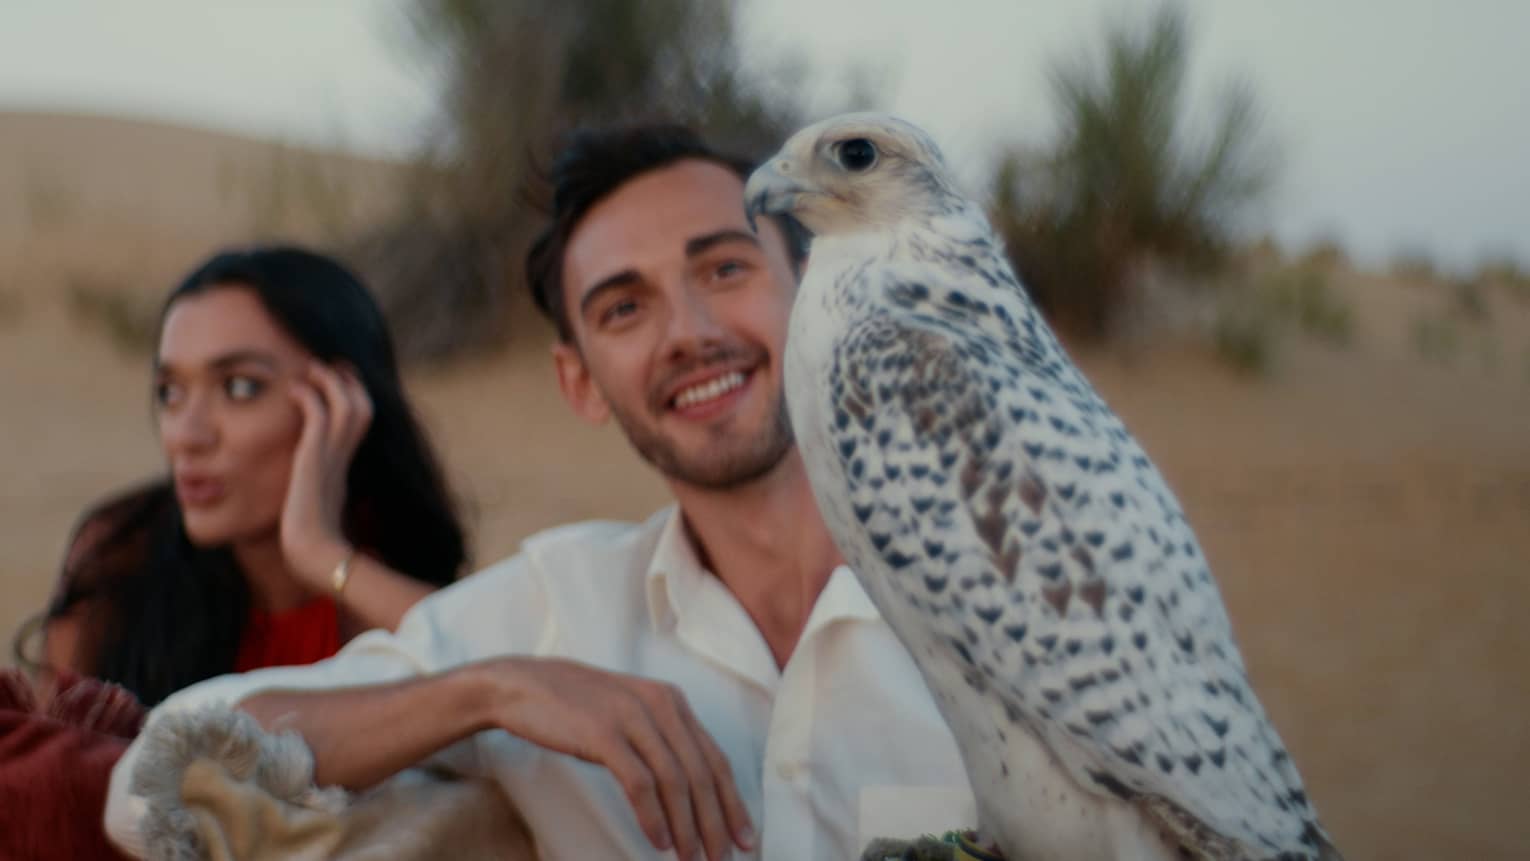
<point x="578" y="388"/>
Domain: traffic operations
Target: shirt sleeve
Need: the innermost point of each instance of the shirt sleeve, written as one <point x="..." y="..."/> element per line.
<point x="502" y="610"/>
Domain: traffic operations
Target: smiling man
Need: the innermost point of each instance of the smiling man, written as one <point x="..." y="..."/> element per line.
<point x="711" y="681"/>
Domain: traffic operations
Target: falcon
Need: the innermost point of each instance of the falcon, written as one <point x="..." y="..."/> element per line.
<point x="1011" y="531"/>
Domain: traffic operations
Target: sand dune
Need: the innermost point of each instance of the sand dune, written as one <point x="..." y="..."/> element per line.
<point x="1367" y="512"/>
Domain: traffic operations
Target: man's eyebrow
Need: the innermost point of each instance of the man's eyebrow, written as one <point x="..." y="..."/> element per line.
<point x="693" y="247"/>
<point x="610" y="282"/>
<point x="700" y="244"/>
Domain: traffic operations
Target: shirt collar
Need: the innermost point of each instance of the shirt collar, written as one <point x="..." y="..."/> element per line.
<point x="675" y="567"/>
<point x="673" y="564"/>
<point x="842" y="597"/>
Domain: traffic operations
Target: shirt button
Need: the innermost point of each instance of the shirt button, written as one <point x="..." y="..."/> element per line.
<point x="791" y="771"/>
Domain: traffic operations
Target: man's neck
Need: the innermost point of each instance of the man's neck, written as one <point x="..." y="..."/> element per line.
<point x="768" y="545"/>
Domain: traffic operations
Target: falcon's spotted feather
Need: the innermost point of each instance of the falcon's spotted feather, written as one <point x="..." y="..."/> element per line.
<point x="1011" y="531"/>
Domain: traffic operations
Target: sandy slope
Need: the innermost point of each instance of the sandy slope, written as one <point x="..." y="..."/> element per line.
<point x="1367" y="513"/>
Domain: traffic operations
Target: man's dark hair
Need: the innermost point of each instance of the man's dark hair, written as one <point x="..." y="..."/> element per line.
<point x="593" y="163"/>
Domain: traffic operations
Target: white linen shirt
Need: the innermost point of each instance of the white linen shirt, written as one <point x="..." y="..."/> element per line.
<point x="842" y="745"/>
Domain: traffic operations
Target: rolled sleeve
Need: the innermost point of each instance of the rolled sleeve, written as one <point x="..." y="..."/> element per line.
<point x="501" y="610"/>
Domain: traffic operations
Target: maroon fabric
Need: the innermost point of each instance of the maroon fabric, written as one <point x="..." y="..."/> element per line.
<point x="55" y="765"/>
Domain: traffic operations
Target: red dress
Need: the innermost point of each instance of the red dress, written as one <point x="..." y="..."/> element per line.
<point x="301" y="635"/>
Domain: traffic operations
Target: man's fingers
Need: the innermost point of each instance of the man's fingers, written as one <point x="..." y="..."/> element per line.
<point x="740" y="826"/>
<point x="689" y="742"/>
<point x="638" y="783"/>
<point x="670" y="777"/>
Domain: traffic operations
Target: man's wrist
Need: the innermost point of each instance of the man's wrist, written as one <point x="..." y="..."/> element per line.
<point x="481" y="690"/>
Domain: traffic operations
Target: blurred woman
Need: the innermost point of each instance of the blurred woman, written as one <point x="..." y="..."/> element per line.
<point x="302" y="505"/>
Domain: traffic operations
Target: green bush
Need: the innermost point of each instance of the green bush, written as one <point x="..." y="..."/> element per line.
<point x="1260" y="309"/>
<point x="517" y="73"/>
<point x="1126" y="184"/>
<point x="1414" y="265"/>
<point x="129" y="319"/>
<point x="1324" y="254"/>
<point x="1469" y="299"/>
<point x="1508" y="276"/>
<point x="1245" y="336"/>
<point x="1305" y="297"/>
<point x="1437" y="339"/>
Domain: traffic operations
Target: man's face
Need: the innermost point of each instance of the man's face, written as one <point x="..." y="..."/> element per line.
<point x="679" y="315"/>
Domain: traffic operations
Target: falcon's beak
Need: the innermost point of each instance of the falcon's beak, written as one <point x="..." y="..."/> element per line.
<point x="770" y="191"/>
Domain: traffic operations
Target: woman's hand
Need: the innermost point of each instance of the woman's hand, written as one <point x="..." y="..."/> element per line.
<point x="336" y="414"/>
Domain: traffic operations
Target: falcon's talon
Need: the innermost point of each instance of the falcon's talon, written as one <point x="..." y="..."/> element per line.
<point x="925" y="848"/>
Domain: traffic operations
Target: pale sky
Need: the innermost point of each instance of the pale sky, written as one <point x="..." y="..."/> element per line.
<point x="1404" y="123"/>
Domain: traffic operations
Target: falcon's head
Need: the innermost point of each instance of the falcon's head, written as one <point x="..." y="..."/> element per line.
<point x="851" y="172"/>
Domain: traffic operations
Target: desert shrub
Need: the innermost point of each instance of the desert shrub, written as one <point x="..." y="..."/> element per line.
<point x="517" y="73"/>
<point x="1244" y="336"/>
<point x="1507" y="275"/>
<point x="1324" y="254"/>
<point x="1437" y="338"/>
<point x="1259" y="310"/>
<point x="1306" y="297"/>
<point x="1468" y="298"/>
<point x="128" y="318"/>
<point x="1413" y="265"/>
<point x="1127" y="183"/>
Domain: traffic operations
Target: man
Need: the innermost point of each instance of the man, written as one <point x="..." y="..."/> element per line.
<point x="710" y="680"/>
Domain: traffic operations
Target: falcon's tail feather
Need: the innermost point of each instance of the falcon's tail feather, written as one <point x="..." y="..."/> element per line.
<point x="1326" y="850"/>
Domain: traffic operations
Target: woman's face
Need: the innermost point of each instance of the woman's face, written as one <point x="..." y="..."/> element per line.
<point x="227" y="422"/>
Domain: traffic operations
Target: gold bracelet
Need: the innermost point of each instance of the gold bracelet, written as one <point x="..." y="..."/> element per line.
<point x="342" y="572"/>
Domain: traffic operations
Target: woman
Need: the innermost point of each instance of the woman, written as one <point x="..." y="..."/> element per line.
<point x="303" y="505"/>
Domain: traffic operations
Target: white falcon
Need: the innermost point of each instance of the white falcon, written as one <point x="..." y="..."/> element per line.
<point x="1011" y="531"/>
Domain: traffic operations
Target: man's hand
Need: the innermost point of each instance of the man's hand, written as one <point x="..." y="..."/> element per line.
<point x="643" y="731"/>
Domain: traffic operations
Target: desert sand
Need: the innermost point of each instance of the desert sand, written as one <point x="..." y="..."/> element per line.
<point x="1366" y="510"/>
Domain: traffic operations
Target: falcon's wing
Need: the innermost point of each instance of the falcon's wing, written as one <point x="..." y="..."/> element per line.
<point x="990" y="478"/>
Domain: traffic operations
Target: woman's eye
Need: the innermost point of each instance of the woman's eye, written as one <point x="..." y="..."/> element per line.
<point x="242" y="388"/>
<point x="166" y="394"/>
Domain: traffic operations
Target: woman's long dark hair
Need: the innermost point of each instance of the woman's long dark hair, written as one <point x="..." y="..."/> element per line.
<point x="164" y="613"/>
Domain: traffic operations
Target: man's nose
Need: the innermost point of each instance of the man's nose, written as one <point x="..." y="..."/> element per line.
<point x="692" y="325"/>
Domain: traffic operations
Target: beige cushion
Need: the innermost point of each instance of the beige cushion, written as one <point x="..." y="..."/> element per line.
<point x="219" y="787"/>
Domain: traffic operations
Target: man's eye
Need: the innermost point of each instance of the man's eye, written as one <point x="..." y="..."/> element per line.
<point x="617" y="310"/>
<point x="730" y="268"/>
<point x="243" y="388"/>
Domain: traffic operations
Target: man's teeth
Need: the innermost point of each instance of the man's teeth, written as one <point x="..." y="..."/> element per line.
<point x="714" y="388"/>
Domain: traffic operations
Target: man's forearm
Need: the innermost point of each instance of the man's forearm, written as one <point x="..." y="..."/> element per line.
<point x="679" y="782"/>
<point x="360" y="736"/>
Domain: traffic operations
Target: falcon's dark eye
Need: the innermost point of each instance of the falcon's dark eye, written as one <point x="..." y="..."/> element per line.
<point x="856" y="154"/>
